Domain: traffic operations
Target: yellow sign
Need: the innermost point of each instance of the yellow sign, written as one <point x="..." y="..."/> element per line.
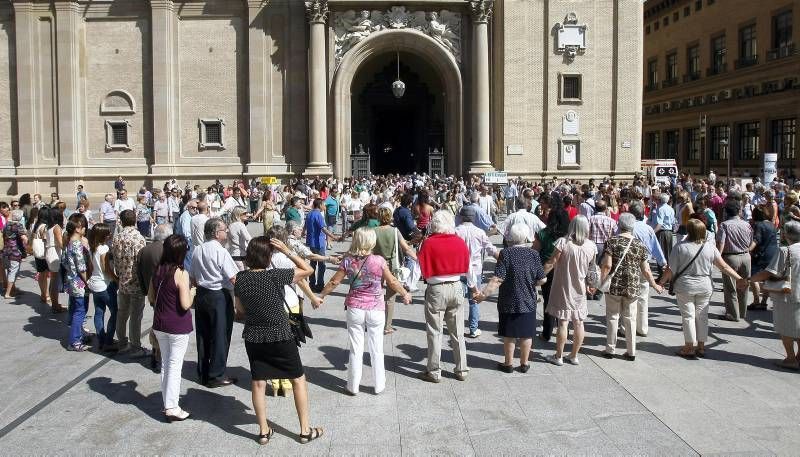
<point x="269" y="180"/>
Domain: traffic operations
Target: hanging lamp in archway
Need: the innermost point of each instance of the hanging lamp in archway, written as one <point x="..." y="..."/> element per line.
<point x="398" y="87"/>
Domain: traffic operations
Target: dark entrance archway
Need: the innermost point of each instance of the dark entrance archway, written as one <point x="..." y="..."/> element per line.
<point x="398" y="133"/>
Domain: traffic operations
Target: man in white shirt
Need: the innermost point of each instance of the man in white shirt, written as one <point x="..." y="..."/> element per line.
<point x="236" y="199"/>
<point x="198" y="224"/>
<point x="124" y="202"/>
<point x="174" y="203"/>
<point x="214" y="272"/>
<point x="511" y="194"/>
<point x="522" y="216"/>
<point x="487" y="204"/>
<point x="479" y="245"/>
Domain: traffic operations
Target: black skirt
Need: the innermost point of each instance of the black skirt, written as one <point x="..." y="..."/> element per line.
<point x="41" y="265"/>
<point x="517" y="325"/>
<point x="279" y="360"/>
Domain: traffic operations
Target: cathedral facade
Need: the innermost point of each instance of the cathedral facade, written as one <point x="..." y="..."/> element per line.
<point x="219" y="89"/>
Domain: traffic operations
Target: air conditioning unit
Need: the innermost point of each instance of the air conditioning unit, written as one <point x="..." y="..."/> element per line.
<point x="726" y="94"/>
<point x="690" y="102"/>
<point x="714" y="98"/>
<point x="665" y="106"/>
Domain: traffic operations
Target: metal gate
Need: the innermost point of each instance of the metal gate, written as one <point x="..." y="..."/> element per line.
<point x="360" y="162"/>
<point x="436" y="165"/>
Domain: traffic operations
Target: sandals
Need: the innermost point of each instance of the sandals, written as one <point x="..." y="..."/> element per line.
<point x="388" y="331"/>
<point x="686" y="355"/>
<point x="505" y="368"/>
<point x="78" y="347"/>
<point x="312" y="434"/>
<point x="263" y="439"/>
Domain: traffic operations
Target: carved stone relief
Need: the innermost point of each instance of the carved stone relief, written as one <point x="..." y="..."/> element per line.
<point x="352" y="27"/>
<point x="570" y="37"/>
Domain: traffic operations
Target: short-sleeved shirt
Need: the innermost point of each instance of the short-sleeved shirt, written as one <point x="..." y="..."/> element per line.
<point x="735" y="235"/>
<point x="261" y="294"/>
<point x="98" y="282"/>
<point x="126" y="247"/>
<point x="331" y="206"/>
<point x="212" y="266"/>
<point x="108" y="212"/>
<point x="293" y="214"/>
<point x="697" y="277"/>
<point x="628" y="276"/>
<point x="365" y="274"/>
<point x="74" y="262"/>
<point x="520" y="268"/>
<point x="315" y="237"/>
<point x="11" y="241"/>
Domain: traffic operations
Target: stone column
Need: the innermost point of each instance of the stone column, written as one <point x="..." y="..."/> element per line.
<point x="317" y="104"/>
<point x="164" y="101"/>
<point x="68" y="62"/>
<point x="257" y="95"/>
<point x="24" y="27"/>
<point x="481" y="140"/>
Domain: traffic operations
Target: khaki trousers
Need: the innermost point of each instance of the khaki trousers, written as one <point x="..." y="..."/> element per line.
<point x="736" y="300"/>
<point x="626" y="307"/>
<point x="445" y="302"/>
<point x="130" y="310"/>
<point x="643" y="307"/>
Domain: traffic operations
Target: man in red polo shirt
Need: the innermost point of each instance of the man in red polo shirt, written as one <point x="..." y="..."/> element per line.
<point x="444" y="259"/>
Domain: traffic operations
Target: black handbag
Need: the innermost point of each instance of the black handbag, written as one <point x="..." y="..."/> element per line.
<point x="298" y="324"/>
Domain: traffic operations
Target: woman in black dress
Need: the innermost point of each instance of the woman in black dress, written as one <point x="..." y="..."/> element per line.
<point x="268" y="337"/>
<point x="519" y="270"/>
<point x="761" y="255"/>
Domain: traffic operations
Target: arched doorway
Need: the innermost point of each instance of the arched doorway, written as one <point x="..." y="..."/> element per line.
<point x="397" y="132"/>
<point x="438" y="73"/>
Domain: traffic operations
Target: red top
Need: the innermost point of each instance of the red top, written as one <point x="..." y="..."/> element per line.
<point x="571" y="211"/>
<point x="443" y="255"/>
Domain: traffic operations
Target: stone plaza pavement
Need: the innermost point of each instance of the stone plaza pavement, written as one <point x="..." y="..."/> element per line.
<point x="54" y="402"/>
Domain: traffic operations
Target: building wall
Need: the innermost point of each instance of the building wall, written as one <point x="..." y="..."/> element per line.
<point x="246" y="62"/>
<point x="737" y="95"/>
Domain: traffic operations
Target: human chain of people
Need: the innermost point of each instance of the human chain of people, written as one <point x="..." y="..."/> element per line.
<point x="188" y="253"/>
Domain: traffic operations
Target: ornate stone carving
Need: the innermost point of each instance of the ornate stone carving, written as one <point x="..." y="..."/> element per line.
<point x="317" y="10"/>
<point x="351" y="27"/>
<point x="481" y="10"/>
<point x="570" y="37"/>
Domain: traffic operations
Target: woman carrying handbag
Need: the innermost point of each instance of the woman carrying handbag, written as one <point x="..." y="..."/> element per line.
<point x="388" y="243"/>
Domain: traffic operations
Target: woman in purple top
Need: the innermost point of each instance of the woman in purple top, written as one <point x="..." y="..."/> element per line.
<point x="365" y="305"/>
<point x="172" y="320"/>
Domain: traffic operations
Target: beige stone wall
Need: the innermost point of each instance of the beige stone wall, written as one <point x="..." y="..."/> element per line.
<point x="7" y="119"/>
<point x="213" y="84"/>
<point x="117" y="58"/>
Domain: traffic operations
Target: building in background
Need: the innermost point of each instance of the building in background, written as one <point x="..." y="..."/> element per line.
<point x="721" y="84"/>
<point x="207" y="89"/>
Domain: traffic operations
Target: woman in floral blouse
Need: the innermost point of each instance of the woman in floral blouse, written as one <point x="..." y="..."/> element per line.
<point x="625" y="258"/>
<point x="73" y="264"/>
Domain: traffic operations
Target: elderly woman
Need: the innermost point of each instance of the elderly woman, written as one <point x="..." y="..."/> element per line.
<point x="238" y="235"/>
<point x="443" y="259"/>
<point x="365" y="306"/>
<point x="765" y="249"/>
<point x="14" y="242"/>
<point x="785" y="271"/>
<point x="557" y="227"/>
<point x="519" y="270"/>
<point x="269" y="216"/>
<point x="690" y="267"/>
<point x="572" y="257"/>
<point x="267" y="334"/>
<point x="625" y="261"/>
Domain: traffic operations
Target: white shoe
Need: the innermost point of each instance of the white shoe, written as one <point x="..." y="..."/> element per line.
<point x="572" y="361"/>
<point x="475" y="334"/>
<point x="176" y="414"/>
<point x="555" y="360"/>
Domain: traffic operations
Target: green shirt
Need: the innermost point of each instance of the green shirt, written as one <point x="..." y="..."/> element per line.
<point x="292" y="214"/>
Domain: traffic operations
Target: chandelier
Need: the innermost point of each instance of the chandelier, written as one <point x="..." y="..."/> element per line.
<point x="398" y="87"/>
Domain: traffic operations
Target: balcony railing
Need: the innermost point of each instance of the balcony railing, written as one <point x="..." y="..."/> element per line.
<point x="651" y="87"/>
<point x="747" y="61"/>
<point x="781" y="52"/>
<point x="669" y="82"/>
<point x="691" y="77"/>
<point x="717" y="70"/>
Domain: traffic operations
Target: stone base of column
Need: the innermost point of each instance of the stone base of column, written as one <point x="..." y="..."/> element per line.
<point x="478" y="168"/>
<point x="270" y="169"/>
<point x="318" y="169"/>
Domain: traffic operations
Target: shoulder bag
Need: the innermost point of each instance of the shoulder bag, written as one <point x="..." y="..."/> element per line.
<point x="401" y="273"/>
<point x="37" y="244"/>
<point x="297" y="323"/>
<point x="605" y="286"/>
<point x="683" y="270"/>
<point x="783" y="284"/>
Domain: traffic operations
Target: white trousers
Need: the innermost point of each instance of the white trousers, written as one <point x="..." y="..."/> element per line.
<point x="616" y="305"/>
<point x="173" y="348"/>
<point x="372" y="322"/>
<point x="642" y="306"/>
<point x="694" y="316"/>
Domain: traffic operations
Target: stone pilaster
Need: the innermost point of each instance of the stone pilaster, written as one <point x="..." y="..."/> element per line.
<point x="165" y="103"/>
<point x="481" y="139"/>
<point x="317" y="104"/>
<point x="68" y="18"/>
<point x="24" y="28"/>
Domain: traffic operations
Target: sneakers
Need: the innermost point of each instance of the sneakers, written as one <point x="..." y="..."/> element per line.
<point x="573" y="361"/>
<point x="474" y="334"/>
<point x="559" y="361"/>
<point x="462" y="375"/>
<point x="428" y="377"/>
<point x="78" y="347"/>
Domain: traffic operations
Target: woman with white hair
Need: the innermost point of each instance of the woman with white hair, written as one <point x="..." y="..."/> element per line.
<point x="519" y="270"/>
<point x="365" y="306"/>
<point x="783" y="283"/>
<point x="572" y="257"/>
<point x="624" y="261"/>
<point x="14" y="242"/>
<point x="238" y="235"/>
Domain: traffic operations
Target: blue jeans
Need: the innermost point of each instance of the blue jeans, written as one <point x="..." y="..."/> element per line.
<point x="106" y="299"/>
<point x="77" y="313"/>
<point x="318" y="278"/>
<point x="474" y="307"/>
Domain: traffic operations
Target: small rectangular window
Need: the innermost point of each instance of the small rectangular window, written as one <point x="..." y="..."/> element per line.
<point x="693" y="144"/>
<point x="675" y="16"/>
<point x="710" y="2"/>
<point x="671" y="144"/>
<point x="647" y="30"/>
<point x="687" y="11"/>
<point x="666" y="21"/>
<point x="652" y="74"/>
<point x="653" y="146"/>
<point x="782" y="33"/>
<point x="672" y="68"/>
<point x="656" y="25"/>
<point x="698" y="5"/>
<point x="212" y="135"/>
<point x="693" y="63"/>
<point x="119" y="133"/>
<point x="749" y="134"/>
<point x="571" y="90"/>
<point x="118" y="136"/>
<point x="719" y="51"/>
<point x="784" y="137"/>
<point x="718" y="144"/>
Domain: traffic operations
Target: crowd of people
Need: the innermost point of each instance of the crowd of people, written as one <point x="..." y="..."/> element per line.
<point x="183" y="249"/>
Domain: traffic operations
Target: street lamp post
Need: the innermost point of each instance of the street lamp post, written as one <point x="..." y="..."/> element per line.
<point x="724" y="144"/>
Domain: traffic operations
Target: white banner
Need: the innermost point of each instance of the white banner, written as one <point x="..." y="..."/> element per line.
<point x="495" y="177"/>
<point x="770" y="167"/>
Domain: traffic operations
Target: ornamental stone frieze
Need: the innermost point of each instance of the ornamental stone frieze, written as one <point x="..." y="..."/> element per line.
<point x="351" y="27"/>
